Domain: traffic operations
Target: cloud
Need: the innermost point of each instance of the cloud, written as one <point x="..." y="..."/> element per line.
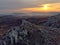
<point x="15" y="5"/>
<point x="52" y="7"/>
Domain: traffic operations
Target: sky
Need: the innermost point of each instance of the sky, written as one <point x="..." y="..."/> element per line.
<point x="11" y="6"/>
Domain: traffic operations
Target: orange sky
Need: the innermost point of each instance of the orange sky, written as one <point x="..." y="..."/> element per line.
<point x="53" y="7"/>
<point x="50" y="7"/>
<point x="14" y="6"/>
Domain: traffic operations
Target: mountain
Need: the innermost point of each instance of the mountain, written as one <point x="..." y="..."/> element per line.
<point x="22" y="36"/>
<point x="15" y="30"/>
<point x="31" y="34"/>
<point x="53" y="21"/>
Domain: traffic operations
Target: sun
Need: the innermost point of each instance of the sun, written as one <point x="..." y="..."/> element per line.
<point x="45" y="7"/>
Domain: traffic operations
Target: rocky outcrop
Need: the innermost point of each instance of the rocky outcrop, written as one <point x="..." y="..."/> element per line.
<point x="31" y="34"/>
<point x="25" y="34"/>
<point x="52" y="21"/>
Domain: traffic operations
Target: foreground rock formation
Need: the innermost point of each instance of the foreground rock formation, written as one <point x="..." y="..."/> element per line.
<point x="31" y="34"/>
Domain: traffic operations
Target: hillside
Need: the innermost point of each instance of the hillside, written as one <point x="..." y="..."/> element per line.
<point x="31" y="34"/>
<point x="29" y="31"/>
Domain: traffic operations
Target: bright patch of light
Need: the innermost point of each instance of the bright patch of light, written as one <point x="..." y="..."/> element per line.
<point x="45" y="7"/>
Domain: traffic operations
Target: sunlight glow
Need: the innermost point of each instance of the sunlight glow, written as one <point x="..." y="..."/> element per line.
<point x="53" y="7"/>
<point x="45" y="7"/>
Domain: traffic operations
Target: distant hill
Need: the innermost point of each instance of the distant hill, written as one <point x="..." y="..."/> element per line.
<point x="53" y="21"/>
